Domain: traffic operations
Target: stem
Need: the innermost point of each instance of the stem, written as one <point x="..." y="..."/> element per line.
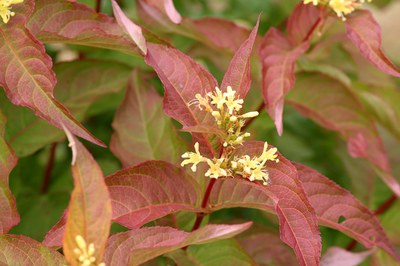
<point x="251" y="120"/>
<point x="200" y="216"/>
<point x="381" y="209"/>
<point x="98" y="6"/>
<point x="311" y="31"/>
<point x="49" y="169"/>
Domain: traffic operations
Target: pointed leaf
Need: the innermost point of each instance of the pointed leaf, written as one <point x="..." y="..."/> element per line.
<point x="21" y="250"/>
<point x="166" y="8"/>
<point x="79" y="85"/>
<point x="338" y="256"/>
<point x="365" y="33"/>
<point x="151" y="187"/>
<point x="183" y="78"/>
<point x="238" y="73"/>
<point x="153" y="133"/>
<point x="8" y="209"/>
<point x="55" y="236"/>
<point x="89" y="210"/>
<point x="285" y="196"/>
<point x="333" y="204"/>
<point x="134" y="31"/>
<point x="56" y="21"/>
<point x="334" y="106"/>
<point x="278" y="59"/>
<point x="28" y="80"/>
<point x="302" y="22"/>
<point x="138" y="246"/>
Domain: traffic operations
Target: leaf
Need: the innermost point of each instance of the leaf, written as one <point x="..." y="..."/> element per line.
<point x="21" y="250"/>
<point x="167" y="8"/>
<point x="338" y="256"/>
<point x="222" y="252"/>
<point x="278" y="59"/>
<point x="28" y="80"/>
<point x="365" y="33"/>
<point x="238" y="73"/>
<point x="182" y="78"/>
<point x="334" y="106"/>
<point x="153" y="133"/>
<point x="9" y="216"/>
<point x="79" y="85"/>
<point x="152" y="189"/>
<point x="333" y="204"/>
<point x="134" y="31"/>
<point x="303" y="21"/>
<point x="138" y="246"/>
<point x="89" y="211"/>
<point x="284" y="196"/>
<point x="56" y="21"/>
<point x="268" y="249"/>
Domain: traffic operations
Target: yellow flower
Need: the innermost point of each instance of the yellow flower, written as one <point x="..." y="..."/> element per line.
<point x="230" y="102"/>
<point x="85" y="253"/>
<point x="259" y="173"/>
<point x="217" y="98"/>
<point x="341" y="7"/>
<point x="5" y="9"/>
<point x="193" y="157"/>
<point x="215" y="169"/>
<point x="268" y="154"/>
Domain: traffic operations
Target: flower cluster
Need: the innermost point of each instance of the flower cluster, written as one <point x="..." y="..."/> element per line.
<point x="341" y="7"/>
<point x="225" y="107"/>
<point x="5" y="6"/>
<point x="85" y="253"/>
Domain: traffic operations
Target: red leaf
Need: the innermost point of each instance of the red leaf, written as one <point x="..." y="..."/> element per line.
<point x="136" y="247"/>
<point x="183" y="78"/>
<point x="56" y="21"/>
<point x="365" y="33"/>
<point x="131" y="28"/>
<point x="238" y="73"/>
<point x="337" y="256"/>
<point x="28" y="80"/>
<point x="89" y="210"/>
<point x="302" y="23"/>
<point x="55" y="236"/>
<point x="278" y="58"/>
<point x="22" y="250"/>
<point x="9" y="216"/>
<point x="154" y="135"/>
<point x="149" y="191"/>
<point x="268" y="249"/>
<point x="334" y="106"/>
<point x="333" y="203"/>
<point x="166" y="8"/>
<point x="285" y="195"/>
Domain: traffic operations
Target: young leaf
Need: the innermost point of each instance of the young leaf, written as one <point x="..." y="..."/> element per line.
<point x="166" y="8"/>
<point x="302" y="23"/>
<point x="79" y="85"/>
<point x="183" y="78"/>
<point x="284" y="196"/>
<point x="21" y="250"/>
<point x="333" y="203"/>
<point x="138" y="246"/>
<point x="365" y="33"/>
<point x="238" y="73"/>
<point x="134" y="31"/>
<point x="334" y="106"/>
<point x="154" y="134"/>
<point x="56" y="21"/>
<point x="8" y="212"/>
<point x="28" y="80"/>
<point x="338" y="256"/>
<point x="152" y="189"/>
<point x="89" y="210"/>
<point x="278" y="59"/>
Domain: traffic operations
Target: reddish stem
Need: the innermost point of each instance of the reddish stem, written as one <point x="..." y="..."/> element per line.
<point x="381" y="209"/>
<point x="49" y="169"/>
<point x="98" y="6"/>
<point x="200" y="216"/>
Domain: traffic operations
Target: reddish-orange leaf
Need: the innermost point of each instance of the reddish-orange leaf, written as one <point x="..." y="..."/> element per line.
<point x="89" y="211"/>
<point x="8" y="210"/>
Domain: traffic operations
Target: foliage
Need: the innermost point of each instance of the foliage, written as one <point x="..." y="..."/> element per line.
<point x="172" y="172"/>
